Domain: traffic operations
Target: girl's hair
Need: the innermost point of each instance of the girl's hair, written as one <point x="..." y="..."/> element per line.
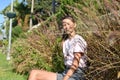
<point x="64" y="36"/>
<point x="69" y="17"/>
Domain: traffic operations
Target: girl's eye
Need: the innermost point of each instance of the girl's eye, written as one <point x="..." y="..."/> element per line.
<point x="68" y="24"/>
<point x="63" y="24"/>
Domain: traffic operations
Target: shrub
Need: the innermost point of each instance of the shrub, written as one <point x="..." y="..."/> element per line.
<point x="36" y="52"/>
<point x="16" y="32"/>
<point x="25" y="57"/>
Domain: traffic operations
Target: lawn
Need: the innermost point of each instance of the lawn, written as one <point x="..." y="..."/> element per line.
<point x="6" y="72"/>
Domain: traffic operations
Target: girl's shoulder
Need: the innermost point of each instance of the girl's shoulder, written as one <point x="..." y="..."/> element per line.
<point x="80" y="39"/>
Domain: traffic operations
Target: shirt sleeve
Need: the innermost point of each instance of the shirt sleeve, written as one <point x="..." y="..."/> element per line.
<point x="80" y="46"/>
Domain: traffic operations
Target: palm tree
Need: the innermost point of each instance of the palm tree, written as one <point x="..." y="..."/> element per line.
<point x="23" y="11"/>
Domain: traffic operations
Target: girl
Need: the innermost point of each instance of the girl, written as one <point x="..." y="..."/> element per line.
<point x="74" y="49"/>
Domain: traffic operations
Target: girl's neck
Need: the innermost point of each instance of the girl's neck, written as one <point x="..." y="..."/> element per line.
<point x="72" y="35"/>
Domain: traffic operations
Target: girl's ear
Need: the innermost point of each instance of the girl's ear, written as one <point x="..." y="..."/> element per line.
<point x="74" y="25"/>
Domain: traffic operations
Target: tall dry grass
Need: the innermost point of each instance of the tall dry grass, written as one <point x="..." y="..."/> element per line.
<point x="101" y="31"/>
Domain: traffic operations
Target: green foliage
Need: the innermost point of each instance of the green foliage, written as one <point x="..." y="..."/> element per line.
<point x="26" y="57"/>
<point x="21" y="8"/>
<point x="1" y="43"/>
<point x="57" y="58"/>
<point x="0" y="31"/>
<point x="16" y="32"/>
<point x="38" y="52"/>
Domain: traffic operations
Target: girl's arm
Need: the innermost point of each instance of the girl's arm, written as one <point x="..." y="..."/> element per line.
<point x="74" y="66"/>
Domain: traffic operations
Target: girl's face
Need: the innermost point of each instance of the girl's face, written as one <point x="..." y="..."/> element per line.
<point x="68" y="26"/>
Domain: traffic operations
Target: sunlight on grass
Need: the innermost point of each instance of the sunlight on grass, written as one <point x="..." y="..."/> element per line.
<point x="6" y="72"/>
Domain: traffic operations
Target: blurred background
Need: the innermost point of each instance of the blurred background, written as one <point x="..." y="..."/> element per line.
<point x="36" y="30"/>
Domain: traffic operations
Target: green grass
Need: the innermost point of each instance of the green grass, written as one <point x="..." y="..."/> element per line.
<point x="6" y="72"/>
